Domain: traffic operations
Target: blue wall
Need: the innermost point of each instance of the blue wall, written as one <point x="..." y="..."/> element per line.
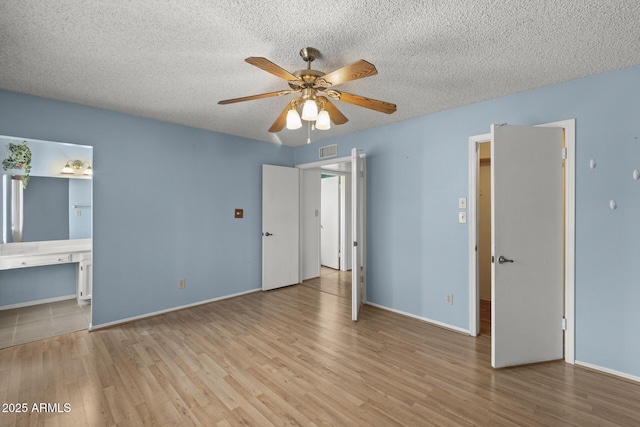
<point x="47" y="157"/>
<point x="417" y="169"/>
<point x="36" y="283"/>
<point x="164" y="197"/>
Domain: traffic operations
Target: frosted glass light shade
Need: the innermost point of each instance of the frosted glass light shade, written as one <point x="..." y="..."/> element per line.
<point x="310" y="110"/>
<point x="293" y="120"/>
<point x="323" y="122"/>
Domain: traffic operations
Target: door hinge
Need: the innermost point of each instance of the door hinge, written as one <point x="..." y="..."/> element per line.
<point x="564" y="153"/>
<point x="355" y="243"/>
<point x="564" y="323"/>
<point x="493" y="260"/>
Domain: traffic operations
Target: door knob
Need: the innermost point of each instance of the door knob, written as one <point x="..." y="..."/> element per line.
<point x="267" y="234"/>
<point x="502" y="260"/>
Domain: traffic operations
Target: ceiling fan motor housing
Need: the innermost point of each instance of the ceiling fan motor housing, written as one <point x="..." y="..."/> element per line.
<point x="307" y="76"/>
<point x="309" y="54"/>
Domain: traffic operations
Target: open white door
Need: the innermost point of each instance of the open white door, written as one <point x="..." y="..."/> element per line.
<point x="358" y="227"/>
<point x="280" y="228"/>
<point x="527" y="273"/>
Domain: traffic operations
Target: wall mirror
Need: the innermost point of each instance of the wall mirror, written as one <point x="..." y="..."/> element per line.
<point x="56" y="203"/>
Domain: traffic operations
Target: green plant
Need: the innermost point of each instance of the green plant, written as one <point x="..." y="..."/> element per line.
<point x="19" y="157"/>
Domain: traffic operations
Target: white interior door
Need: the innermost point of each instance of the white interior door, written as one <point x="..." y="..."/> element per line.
<point x="330" y="222"/>
<point x="527" y="273"/>
<point x="310" y="223"/>
<point x="358" y="227"/>
<point x="280" y="226"/>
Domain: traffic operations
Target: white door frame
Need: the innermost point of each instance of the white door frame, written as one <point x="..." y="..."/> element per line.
<point x="569" y="237"/>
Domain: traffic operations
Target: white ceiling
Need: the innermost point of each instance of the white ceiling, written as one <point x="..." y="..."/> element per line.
<point x="173" y="60"/>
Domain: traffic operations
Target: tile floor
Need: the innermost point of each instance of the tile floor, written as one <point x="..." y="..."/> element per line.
<point x="36" y="322"/>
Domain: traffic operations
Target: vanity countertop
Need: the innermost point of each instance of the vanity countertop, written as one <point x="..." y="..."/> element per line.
<point x="51" y="247"/>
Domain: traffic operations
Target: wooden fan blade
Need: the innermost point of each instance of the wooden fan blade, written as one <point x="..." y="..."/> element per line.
<point x="357" y="70"/>
<point x="281" y="121"/>
<point x="334" y="114"/>
<point x="270" y="67"/>
<point x="361" y="101"/>
<point x="260" y="96"/>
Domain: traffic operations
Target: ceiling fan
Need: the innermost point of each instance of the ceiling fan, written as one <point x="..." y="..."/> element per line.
<point x="315" y="89"/>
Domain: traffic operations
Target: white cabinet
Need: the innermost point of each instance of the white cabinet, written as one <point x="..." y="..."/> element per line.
<point x="7" y="263"/>
<point x="85" y="278"/>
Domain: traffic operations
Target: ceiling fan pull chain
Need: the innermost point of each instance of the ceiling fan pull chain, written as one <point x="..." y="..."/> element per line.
<point x="308" y="132"/>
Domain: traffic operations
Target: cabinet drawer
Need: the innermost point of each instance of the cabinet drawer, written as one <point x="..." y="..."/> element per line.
<point x="35" y="260"/>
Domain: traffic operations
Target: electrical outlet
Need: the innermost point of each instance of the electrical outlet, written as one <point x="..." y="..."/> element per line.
<point x="181" y="284"/>
<point x="448" y="298"/>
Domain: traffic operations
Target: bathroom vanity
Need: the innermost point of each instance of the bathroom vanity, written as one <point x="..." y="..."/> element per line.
<point x="44" y="221"/>
<point x="34" y="254"/>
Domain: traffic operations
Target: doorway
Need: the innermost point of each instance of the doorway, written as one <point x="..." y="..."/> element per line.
<point x="48" y="286"/>
<point x="354" y="240"/>
<point x="479" y="167"/>
<point x="313" y="208"/>
<point x="484" y="235"/>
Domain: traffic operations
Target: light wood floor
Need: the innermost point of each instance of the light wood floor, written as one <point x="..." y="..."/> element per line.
<point x="293" y="357"/>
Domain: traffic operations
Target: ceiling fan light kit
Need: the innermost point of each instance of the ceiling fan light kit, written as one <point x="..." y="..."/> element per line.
<point x="314" y="89"/>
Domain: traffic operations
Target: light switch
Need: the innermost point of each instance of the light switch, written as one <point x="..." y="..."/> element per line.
<point x="462" y="217"/>
<point x="78" y="212"/>
<point x="462" y="203"/>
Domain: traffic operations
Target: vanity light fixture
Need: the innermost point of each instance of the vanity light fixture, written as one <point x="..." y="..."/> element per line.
<point x="75" y="166"/>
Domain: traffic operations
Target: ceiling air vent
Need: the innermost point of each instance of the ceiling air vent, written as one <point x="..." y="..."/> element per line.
<point x="328" y="151"/>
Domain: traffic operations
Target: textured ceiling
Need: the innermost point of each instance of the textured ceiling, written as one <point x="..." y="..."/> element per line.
<point x="173" y="60"/>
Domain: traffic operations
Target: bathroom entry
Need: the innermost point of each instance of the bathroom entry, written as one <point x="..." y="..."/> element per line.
<point x="484" y="235"/>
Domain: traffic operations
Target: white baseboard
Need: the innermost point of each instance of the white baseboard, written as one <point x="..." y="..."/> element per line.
<point x="168" y="310"/>
<point x="608" y="371"/>
<point x="37" y="302"/>
<point x="424" y="319"/>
